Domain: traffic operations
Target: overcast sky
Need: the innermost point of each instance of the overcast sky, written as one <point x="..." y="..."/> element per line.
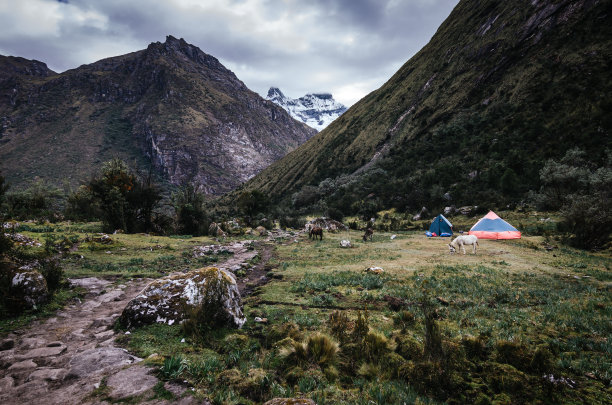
<point x="346" y="47"/>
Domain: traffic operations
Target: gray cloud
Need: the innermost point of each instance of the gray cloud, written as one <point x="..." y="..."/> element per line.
<point x="346" y="47"/>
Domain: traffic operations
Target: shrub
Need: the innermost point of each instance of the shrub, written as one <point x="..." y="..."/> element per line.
<point x="582" y="193"/>
<point x="37" y="201"/>
<point x="335" y="214"/>
<point x="376" y="346"/>
<point x="404" y="319"/>
<point x="408" y="347"/>
<point x="339" y="325"/>
<point x="514" y="353"/>
<point x="252" y="202"/>
<point x="475" y="347"/>
<point x="82" y="205"/>
<point x="173" y="367"/>
<point x="318" y="349"/>
<point x="127" y="203"/>
<point x="191" y="218"/>
<point x="53" y="273"/>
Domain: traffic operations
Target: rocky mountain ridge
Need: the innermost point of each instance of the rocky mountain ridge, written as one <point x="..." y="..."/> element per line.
<point x="170" y="106"/>
<point x="316" y="110"/>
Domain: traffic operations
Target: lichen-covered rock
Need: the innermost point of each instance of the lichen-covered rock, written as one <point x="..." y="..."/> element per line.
<point x="28" y="288"/>
<point x="166" y="300"/>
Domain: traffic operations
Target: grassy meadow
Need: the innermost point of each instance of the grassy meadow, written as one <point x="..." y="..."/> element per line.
<point x="523" y="321"/>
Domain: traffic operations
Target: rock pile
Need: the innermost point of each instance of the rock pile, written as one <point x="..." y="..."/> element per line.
<point x="327" y="224"/>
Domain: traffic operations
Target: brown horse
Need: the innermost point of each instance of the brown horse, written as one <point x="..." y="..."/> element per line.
<point x="368" y="234"/>
<point x="316" y="231"/>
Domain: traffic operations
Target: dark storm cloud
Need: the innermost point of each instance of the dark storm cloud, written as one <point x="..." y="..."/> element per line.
<point x="347" y="47"/>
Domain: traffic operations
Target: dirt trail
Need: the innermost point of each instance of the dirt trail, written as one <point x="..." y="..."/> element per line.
<point x="72" y="358"/>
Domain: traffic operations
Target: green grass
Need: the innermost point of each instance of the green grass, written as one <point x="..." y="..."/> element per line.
<point x="493" y="314"/>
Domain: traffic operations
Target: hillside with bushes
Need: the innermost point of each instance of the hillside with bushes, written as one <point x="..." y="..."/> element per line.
<point x="471" y="119"/>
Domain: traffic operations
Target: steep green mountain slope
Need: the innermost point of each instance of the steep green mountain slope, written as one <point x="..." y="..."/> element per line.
<point x="170" y="106"/>
<point x="470" y="119"/>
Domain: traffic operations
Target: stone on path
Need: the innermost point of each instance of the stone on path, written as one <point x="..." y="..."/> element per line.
<point x="22" y="366"/>
<point x="6" y="383"/>
<point x="97" y="360"/>
<point x="42" y="352"/>
<point x="48" y="374"/>
<point x="130" y="382"/>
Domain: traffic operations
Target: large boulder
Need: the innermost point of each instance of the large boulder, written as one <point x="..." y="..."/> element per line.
<point x="27" y="289"/>
<point x="168" y="299"/>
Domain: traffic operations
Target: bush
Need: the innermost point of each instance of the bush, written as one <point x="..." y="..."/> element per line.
<point x="127" y="203"/>
<point x="318" y="349"/>
<point x="191" y="218"/>
<point x="37" y="201"/>
<point x="583" y="194"/>
<point x="83" y="206"/>
<point x="53" y="273"/>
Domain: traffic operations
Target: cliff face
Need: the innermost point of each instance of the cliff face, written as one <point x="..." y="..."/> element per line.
<point x="472" y="117"/>
<point x="171" y="106"/>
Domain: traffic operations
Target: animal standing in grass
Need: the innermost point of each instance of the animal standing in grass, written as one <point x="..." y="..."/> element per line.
<point x="368" y="234"/>
<point x="316" y="231"/>
<point x="461" y="241"/>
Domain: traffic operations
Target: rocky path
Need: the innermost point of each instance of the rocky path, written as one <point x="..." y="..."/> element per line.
<point x="72" y="358"/>
<point x="69" y="358"/>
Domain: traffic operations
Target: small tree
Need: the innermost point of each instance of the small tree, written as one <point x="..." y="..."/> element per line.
<point x="189" y="206"/>
<point x="253" y="202"/>
<point x="126" y="202"/>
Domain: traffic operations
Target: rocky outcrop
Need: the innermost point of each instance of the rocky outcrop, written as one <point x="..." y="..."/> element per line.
<point x="168" y="299"/>
<point x="316" y="110"/>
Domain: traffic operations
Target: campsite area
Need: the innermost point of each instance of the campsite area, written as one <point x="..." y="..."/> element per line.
<point x="520" y="321"/>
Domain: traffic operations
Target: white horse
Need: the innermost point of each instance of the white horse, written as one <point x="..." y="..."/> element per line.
<point x="461" y="241"/>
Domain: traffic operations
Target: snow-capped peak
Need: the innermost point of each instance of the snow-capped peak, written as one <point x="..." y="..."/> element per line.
<point x="316" y="110"/>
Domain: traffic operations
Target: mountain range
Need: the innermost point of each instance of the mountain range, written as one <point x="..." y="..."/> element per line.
<point x="317" y="110"/>
<point x="470" y="119"/>
<point x="170" y="107"/>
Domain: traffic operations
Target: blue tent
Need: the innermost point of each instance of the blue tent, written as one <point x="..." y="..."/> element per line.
<point x="440" y="226"/>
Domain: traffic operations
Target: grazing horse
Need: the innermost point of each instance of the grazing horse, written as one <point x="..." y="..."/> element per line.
<point x="461" y="241"/>
<point x="316" y="231"/>
<point x="368" y="234"/>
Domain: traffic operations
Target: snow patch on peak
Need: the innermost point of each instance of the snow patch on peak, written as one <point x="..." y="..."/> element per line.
<point x="317" y="110"/>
